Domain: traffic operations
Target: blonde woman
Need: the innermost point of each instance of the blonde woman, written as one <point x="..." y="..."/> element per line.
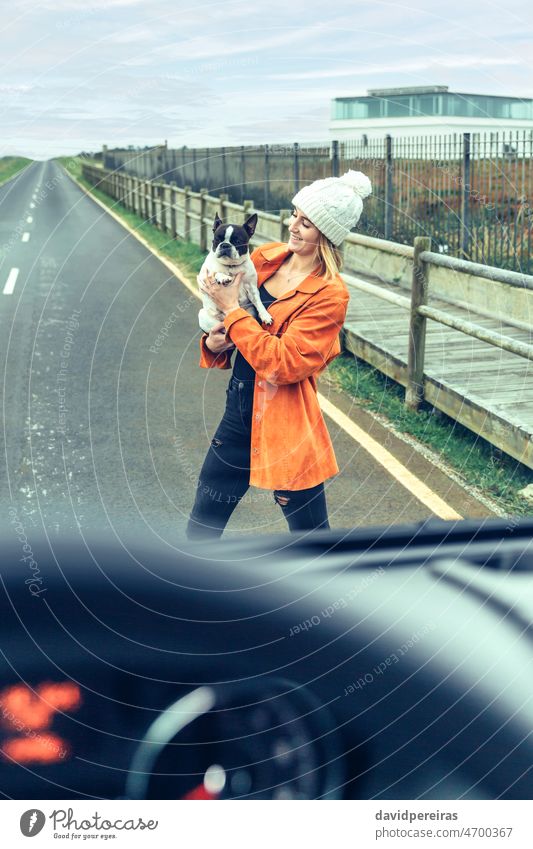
<point x="273" y="435"/>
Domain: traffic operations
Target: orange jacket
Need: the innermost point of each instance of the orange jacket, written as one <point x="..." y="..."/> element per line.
<point x="290" y="444"/>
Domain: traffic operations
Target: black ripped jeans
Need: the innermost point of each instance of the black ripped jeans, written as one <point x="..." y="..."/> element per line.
<point x="224" y="477"/>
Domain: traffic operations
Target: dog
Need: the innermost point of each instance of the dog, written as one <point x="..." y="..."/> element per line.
<point x="228" y="256"/>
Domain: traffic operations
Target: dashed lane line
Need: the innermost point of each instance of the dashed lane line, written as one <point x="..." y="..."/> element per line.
<point x="11" y="280"/>
<point x="25" y="237"/>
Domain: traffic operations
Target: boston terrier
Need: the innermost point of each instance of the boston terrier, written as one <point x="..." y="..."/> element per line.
<point x="229" y="254"/>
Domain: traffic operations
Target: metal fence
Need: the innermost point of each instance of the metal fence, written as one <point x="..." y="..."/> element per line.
<point x="468" y="192"/>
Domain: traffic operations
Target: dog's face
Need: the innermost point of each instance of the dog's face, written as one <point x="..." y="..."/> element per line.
<point x="231" y="241"/>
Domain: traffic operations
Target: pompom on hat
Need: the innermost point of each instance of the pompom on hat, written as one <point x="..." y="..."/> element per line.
<point x="334" y="205"/>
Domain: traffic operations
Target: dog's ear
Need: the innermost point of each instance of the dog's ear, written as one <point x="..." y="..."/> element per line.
<point x="217" y="223"/>
<point x="250" y="224"/>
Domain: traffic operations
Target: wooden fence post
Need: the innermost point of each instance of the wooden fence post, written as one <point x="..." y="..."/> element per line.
<point x="146" y="200"/>
<point x="186" y="221"/>
<point x="283" y="229"/>
<point x="266" y="184"/>
<point x="154" y="197"/>
<point x="296" y="166"/>
<point x="224" y="168"/>
<point x="137" y="195"/>
<point x="163" y="205"/>
<point x="414" y="393"/>
<point x="223" y="198"/>
<point x="203" y="231"/>
<point x="243" y="171"/>
<point x="173" y="227"/>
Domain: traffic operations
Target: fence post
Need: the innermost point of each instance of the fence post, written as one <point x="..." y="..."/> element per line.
<point x="334" y="158"/>
<point x="203" y="233"/>
<point x="146" y="209"/>
<point x="138" y="196"/>
<point x="163" y="206"/>
<point x="243" y="172"/>
<point x="134" y="181"/>
<point x="194" y="174"/>
<point x="183" y="180"/>
<point x="414" y="393"/>
<point x="296" y="158"/>
<point x="224" y="169"/>
<point x="266" y="186"/>
<point x="223" y="197"/>
<point x="153" y="199"/>
<point x="465" y="198"/>
<point x="173" y="227"/>
<point x="389" y="200"/>
<point x="283" y="229"/>
<point x="186" y="222"/>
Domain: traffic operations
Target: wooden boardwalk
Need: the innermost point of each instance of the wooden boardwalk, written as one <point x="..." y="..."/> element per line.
<point x="488" y="390"/>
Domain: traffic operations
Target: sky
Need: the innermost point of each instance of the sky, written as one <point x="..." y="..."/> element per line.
<point x="78" y="74"/>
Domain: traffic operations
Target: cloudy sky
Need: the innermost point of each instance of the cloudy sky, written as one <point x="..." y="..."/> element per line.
<point x="80" y="73"/>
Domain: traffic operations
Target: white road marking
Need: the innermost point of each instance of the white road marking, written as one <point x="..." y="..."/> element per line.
<point x="29" y="219"/>
<point x="25" y="237"/>
<point x="393" y="466"/>
<point x="11" y="280"/>
<point x="32" y="206"/>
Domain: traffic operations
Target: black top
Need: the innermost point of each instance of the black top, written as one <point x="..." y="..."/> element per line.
<point x="242" y="369"/>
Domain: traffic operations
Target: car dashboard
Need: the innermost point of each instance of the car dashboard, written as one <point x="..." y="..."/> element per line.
<point x="384" y="663"/>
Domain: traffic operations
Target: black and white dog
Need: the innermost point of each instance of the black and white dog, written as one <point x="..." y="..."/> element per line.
<point x="228" y="256"/>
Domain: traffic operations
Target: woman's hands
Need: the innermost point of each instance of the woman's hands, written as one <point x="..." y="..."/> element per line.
<point x="216" y="340"/>
<point x="226" y="298"/>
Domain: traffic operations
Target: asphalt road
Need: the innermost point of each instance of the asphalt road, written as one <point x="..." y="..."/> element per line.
<point x="99" y="430"/>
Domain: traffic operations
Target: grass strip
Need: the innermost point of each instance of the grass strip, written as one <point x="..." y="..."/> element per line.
<point x="479" y="464"/>
<point x="11" y="165"/>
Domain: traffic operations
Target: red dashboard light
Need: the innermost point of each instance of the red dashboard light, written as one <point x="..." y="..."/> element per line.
<point x="29" y="712"/>
<point x="41" y="749"/>
<point x="34" y="708"/>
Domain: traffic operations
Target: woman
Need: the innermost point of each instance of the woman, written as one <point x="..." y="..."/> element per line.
<point x="272" y="434"/>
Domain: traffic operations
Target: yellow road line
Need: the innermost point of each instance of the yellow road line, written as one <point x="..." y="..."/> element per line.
<point x="398" y="471"/>
<point x="393" y="466"/>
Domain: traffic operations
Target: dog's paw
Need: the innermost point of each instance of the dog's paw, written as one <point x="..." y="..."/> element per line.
<point x="266" y="318"/>
<point x="223" y="279"/>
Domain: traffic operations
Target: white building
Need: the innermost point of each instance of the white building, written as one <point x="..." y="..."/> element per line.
<point x="428" y="111"/>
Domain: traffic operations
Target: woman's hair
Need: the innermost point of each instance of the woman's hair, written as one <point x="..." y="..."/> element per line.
<point x="330" y="258"/>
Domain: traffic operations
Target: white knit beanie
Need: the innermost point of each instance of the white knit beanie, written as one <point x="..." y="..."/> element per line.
<point x="334" y="205"/>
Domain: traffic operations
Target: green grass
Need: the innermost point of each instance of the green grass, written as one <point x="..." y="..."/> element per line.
<point x="479" y="464"/>
<point x="11" y="165"/>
